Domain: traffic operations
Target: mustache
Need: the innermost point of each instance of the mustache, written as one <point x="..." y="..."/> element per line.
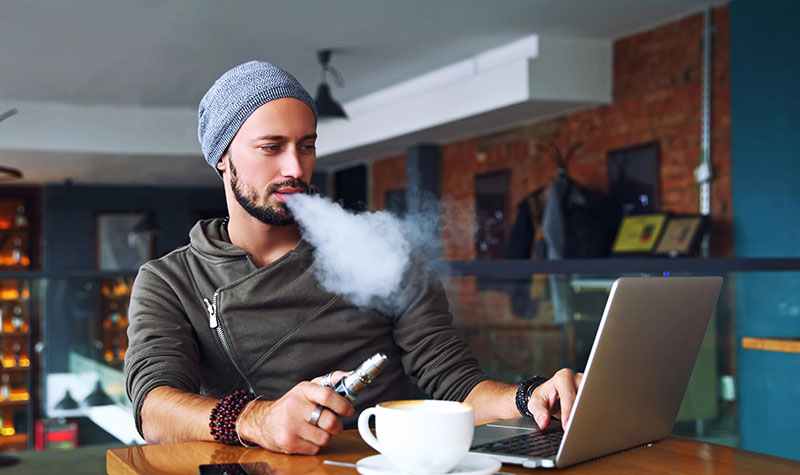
<point x="290" y="183"/>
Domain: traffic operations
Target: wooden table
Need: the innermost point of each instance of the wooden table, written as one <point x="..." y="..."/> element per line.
<point x="781" y="344"/>
<point x="673" y="455"/>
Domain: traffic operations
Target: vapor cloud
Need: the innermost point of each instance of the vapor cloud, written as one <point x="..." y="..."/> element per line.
<point x="363" y="257"/>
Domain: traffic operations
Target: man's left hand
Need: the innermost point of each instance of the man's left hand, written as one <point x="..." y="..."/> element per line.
<point x="555" y="397"/>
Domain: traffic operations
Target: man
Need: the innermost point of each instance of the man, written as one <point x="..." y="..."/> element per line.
<point x="239" y="308"/>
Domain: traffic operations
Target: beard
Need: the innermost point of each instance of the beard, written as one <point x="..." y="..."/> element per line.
<point x="274" y="215"/>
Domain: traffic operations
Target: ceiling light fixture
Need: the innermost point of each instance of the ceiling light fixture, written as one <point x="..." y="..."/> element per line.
<point x="5" y="115"/>
<point x="326" y="105"/>
<point x="8" y="173"/>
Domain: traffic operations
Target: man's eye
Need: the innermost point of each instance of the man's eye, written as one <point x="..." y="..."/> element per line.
<point x="308" y="147"/>
<point x="270" y="148"/>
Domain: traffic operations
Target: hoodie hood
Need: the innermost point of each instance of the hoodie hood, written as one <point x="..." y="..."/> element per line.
<point x="210" y="238"/>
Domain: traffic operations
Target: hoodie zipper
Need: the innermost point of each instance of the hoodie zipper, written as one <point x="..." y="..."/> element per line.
<point x="214" y="324"/>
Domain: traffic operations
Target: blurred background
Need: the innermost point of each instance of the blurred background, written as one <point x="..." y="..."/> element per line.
<point x="565" y="144"/>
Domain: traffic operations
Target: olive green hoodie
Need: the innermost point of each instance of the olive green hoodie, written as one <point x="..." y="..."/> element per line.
<point x="206" y="319"/>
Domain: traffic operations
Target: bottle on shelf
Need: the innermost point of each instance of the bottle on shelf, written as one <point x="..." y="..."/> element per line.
<point x="106" y="289"/>
<point x="5" y="387"/>
<point x="8" y="426"/>
<point x="17" y="258"/>
<point x="5" y="221"/>
<point x="20" y="358"/>
<point x="109" y="353"/>
<point x="18" y="322"/>
<point x="107" y="323"/>
<point x="8" y="290"/>
<point x="23" y="361"/>
<point x="120" y="286"/>
<point x="23" y="290"/>
<point x="114" y="315"/>
<point x="20" y="219"/>
<point x="16" y="252"/>
<point x="19" y="394"/>
<point x="8" y="360"/>
<point x="123" y="320"/>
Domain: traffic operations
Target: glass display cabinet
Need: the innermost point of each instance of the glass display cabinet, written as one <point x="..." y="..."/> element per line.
<point x="18" y="315"/>
<point x="85" y="341"/>
<point x="113" y="321"/>
<point x="16" y="375"/>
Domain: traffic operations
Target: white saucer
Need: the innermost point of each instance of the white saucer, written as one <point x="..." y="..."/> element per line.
<point x="471" y="464"/>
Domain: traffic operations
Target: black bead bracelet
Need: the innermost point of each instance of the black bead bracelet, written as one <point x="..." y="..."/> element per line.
<point x="524" y="393"/>
<point x="222" y="420"/>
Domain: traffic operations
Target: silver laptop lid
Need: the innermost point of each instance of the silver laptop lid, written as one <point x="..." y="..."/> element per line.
<point x="640" y="364"/>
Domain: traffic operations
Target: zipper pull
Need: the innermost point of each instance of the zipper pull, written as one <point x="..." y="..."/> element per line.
<point x="212" y="311"/>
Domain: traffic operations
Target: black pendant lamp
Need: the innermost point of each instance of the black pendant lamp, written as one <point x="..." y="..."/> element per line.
<point x="8" y="173"/>
<point x="327" y="107"/>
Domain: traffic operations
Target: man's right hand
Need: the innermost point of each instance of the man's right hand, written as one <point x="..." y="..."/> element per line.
<point x="284" y="425"/>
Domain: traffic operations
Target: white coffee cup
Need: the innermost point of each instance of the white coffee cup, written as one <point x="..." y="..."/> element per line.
<point x="420" y="436"/>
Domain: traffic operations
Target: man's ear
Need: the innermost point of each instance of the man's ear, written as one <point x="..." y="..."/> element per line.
<point x="222" y="164"/>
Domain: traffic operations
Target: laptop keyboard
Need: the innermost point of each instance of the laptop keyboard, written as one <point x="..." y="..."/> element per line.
<point x="539" y="444"/>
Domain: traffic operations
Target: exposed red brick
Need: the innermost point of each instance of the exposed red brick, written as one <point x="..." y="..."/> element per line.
<point x="657" y="97"/>
<point x="387" y="175"/>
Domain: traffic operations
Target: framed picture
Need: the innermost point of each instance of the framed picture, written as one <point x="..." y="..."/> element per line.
<point x="638" y="234"/>
<point x="682" y="235"/>
<point x="633" y="178"/>
<point x="119" y="246"/>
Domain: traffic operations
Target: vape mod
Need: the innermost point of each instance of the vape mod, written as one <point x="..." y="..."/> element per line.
<point x="350" y="385"/>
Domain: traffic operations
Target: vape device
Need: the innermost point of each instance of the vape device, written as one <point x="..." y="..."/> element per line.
<point x="350" y="385"/>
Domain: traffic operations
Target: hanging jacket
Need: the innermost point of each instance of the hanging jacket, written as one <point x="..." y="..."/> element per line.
<point x="206" y="319"/>
<point x="578" y="222"/>
<point x="521" y="244"/>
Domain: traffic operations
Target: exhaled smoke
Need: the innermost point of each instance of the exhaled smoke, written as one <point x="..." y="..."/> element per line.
<point x="362" y="257"/>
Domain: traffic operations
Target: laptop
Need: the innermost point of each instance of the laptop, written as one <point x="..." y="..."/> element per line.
<point x="635" y="379"/>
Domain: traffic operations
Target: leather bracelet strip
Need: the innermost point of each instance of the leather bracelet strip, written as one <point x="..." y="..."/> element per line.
<point x="524" y="393"/>
<point x="222" y="421"/>
<point x="244" y="410"/>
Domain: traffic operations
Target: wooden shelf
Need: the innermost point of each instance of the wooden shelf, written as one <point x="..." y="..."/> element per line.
<point x="510" y="326"/>
<point x="15" y="369"/>
<point x="779" y="344"/>
<point x="13" y="439"/>
<point x="2" y="334"/>
<point x="14" y="403"/>
<point x="117" y="297"/>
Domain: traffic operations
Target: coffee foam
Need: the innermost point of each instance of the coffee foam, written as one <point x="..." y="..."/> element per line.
<point x="425" y="405"/>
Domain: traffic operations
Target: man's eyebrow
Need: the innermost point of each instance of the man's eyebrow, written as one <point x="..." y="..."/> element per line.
<point x="272" y="138"/>
<point x="282" y="138"/>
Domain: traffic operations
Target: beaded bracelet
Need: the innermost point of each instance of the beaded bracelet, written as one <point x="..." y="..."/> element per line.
<point x="524" y="393"/>
<point x="222" y="420"/>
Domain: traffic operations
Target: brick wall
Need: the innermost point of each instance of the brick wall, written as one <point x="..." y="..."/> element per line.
<point x="657" y="97"/>
<point x="388" y="174"/>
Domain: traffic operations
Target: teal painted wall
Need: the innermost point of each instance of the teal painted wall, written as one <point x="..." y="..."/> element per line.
<point x="765" y="141"/>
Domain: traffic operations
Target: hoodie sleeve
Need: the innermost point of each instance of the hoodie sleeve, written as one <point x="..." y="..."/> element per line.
<point x="161" y="348"/>
<point x="433" y="350"/>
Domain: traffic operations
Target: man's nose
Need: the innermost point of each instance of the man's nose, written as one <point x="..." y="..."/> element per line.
<point x="290" y="163"/>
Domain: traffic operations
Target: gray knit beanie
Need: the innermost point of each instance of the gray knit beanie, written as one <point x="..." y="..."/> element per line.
<point x="234" y="96"/>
